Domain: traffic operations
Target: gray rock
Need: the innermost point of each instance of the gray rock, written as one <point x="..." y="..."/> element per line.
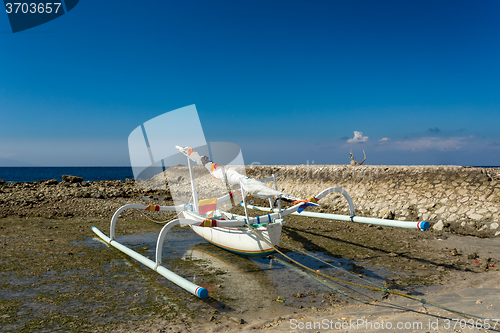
<point x="484" y="227"/>
<point x="71" y="179"/>
<point x="97" y="195"/>
<point x="2" y="182"/>
<point x="494" y="226"/>
<point x="238" y="320"/>
<point x="475" y="216"/>
<point x="438" y="226"/>
<point x="386" y="214"/>
<point x="51" y="182"/>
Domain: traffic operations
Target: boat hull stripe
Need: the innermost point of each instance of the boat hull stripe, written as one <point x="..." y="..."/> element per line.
<point x="261" y="253"/>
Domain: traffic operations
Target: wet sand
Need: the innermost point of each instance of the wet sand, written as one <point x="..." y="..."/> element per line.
<point x="468" y="292"/>
<point x="55" y="276"/>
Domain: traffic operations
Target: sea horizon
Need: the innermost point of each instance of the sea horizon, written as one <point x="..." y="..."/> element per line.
<point x="23" y="174"/>
<point x="40" y="173"/>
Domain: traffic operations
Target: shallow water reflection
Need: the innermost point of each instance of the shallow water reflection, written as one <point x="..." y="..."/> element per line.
<point x="247" y="285"/>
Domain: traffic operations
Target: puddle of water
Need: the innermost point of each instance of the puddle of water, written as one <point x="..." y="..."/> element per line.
<point x="253" y="284"/>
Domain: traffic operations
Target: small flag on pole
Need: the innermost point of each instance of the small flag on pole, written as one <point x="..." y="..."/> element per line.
<point x="207" y="205"/>
<point x="305" y="205"/>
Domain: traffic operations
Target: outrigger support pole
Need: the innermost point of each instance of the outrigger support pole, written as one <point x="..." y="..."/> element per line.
<point x="243" y="195"/>
<point x="154" y="265"/>
<point x="193" y="185"/>
<point x="423" y="225"/>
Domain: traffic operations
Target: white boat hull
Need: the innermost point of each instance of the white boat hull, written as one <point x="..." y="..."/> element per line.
<point x="241" y="240"/>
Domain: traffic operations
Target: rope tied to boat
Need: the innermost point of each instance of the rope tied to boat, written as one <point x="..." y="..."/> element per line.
<point x="373" y="288"/>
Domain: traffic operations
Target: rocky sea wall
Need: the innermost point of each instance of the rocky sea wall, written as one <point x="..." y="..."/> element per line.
<point x="464" y="200"/>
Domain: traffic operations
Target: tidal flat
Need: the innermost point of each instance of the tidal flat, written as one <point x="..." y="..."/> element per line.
<point x="56" y="276"/>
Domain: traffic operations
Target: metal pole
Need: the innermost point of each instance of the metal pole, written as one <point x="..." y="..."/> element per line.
<point x="423" y="225"/>
<point x="243" y="195"/>
<point x="178" y="280"/>
<point x="279" y="198"/>
<point x="193" y="185"/>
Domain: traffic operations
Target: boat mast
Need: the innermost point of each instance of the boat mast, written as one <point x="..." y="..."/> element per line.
<point x="243" y="195"/>
<point x="193" y="185"/>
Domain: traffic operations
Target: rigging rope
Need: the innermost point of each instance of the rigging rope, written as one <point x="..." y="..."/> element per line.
<point x="327" y="263"/>
<point x="374" y="288"/>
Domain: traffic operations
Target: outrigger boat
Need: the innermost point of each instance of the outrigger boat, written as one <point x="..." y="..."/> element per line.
<point x="248" y="236"/>
<point x="208" y="216"/>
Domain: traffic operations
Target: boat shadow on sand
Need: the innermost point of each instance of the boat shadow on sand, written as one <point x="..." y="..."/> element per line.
<point x="262" y="281"/>
<point x="295" y="234"/>
<point x="241" y="276"/>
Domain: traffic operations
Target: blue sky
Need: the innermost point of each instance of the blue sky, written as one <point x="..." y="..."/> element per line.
<point x="289" y="81"/>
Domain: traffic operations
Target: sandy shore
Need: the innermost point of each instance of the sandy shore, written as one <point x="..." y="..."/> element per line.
<point x="467" y="292"/>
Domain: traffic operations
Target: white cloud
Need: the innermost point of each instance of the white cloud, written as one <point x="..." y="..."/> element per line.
<point x="384" y="140"/>
<point x="429" y="143"/>
<point x="7" y="155"/>
<point x="358" y="138"/>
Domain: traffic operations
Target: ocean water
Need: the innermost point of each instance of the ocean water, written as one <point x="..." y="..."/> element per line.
<point x="32" y="174"/>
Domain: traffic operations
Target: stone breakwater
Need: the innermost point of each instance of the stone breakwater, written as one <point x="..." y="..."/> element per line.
<point x="463" y="200"/>
<point x="457" y="199"/>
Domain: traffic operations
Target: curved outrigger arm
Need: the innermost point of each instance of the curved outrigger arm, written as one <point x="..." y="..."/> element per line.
<point x="178" y="208"/>
<point x="340" y="190"/>
<point x="138" y="206"/>
<point x="422" y="225"/>
<point x="185" y="222"/>
<point x="154" y="265"/>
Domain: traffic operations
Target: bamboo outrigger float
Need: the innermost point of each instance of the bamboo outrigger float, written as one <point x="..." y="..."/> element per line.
<point x="248" y="236"/>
